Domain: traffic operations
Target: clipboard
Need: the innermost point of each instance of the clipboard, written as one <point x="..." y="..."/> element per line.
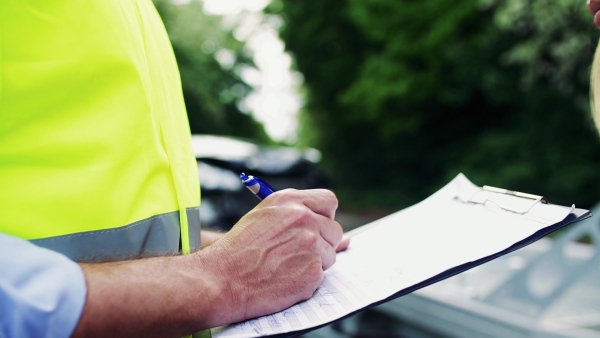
<point x="459" y="227"/>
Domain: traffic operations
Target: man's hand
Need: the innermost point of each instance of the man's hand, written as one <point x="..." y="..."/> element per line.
<point x="276" y="254"/>
<point x="273" y="258"/>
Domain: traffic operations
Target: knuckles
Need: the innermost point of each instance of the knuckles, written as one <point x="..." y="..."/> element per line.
<point x="284" y="196"/>
<point x="298" y="217"/>
<point x="308" y="241"/>
<point x="303" y="217"/>
<point x="294" y="195"/>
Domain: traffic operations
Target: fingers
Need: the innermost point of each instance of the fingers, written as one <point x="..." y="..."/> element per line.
<point x="333" y="241"/>
<point x="321" y="204"/>
<point x="343" y="245"/>
<point x="594" y="7"/>
<point x="327" y="254"/>
<point x="320" y="201"/>
<point x="330" y="230"/>
<point x="277" y="253"/>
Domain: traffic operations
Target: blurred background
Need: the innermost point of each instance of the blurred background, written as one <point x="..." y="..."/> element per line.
<point x="385" y="101"/>
<point x="400" y="96"/>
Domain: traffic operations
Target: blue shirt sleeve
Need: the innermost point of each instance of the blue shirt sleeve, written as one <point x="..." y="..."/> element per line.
<point x="42" y="293"/>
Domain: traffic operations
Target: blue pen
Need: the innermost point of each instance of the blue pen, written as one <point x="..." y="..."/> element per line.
<point x="258" y="187"/>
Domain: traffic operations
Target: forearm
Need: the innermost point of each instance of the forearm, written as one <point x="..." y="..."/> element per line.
<point x="274" y="257"/>
<point x="155" y="297"/>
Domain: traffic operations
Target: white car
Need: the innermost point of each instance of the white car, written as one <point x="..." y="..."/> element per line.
<point x="221" y="160"/>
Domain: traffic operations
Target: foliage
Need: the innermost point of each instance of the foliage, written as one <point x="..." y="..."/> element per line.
<point x="403" y="95"/>
<point x="209" y="60"/>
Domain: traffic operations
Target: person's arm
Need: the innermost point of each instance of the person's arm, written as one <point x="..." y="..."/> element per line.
<point x="208" y="237"/>
<point x="271" y="259"/>
<point x="154" y="297"/>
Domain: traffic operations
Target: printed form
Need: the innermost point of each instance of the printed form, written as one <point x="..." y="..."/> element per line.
<point x="404" y="249"/>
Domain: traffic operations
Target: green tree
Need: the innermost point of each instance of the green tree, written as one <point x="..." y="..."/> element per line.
<point x="209" y="60"/>
<point x="403" y="95"/>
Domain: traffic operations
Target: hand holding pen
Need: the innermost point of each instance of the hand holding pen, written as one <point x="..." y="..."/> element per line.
<point x="262" y="189"/>
<point x="277" y="253"/>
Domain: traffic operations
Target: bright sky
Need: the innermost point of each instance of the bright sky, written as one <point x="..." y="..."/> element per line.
<point x="221" y="7"/>
<point x="275" y="100"/>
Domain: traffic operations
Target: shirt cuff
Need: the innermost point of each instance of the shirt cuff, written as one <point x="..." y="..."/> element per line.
<point x="43" y="290"/>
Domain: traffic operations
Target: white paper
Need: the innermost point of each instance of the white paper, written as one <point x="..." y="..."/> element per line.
<point x="403" y="249"/>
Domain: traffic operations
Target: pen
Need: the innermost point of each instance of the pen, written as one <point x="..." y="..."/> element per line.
<point x="258" y="187"/>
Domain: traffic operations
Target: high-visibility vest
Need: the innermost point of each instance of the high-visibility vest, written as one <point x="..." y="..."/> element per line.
<point x="95" y="151"/>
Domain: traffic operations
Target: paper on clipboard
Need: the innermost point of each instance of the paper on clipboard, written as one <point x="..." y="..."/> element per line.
<point x="445" y="234"/>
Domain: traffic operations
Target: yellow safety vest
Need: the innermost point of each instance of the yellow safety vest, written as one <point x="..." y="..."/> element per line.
<point x="95" y="152"/>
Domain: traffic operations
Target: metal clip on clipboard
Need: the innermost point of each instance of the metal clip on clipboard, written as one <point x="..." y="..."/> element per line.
<point x="508" y="200"/>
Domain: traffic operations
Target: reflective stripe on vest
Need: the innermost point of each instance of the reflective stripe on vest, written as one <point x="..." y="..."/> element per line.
<point x="153" y="236"/>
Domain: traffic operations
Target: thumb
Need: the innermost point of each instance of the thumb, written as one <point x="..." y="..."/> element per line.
<point x="343" y="243"/>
